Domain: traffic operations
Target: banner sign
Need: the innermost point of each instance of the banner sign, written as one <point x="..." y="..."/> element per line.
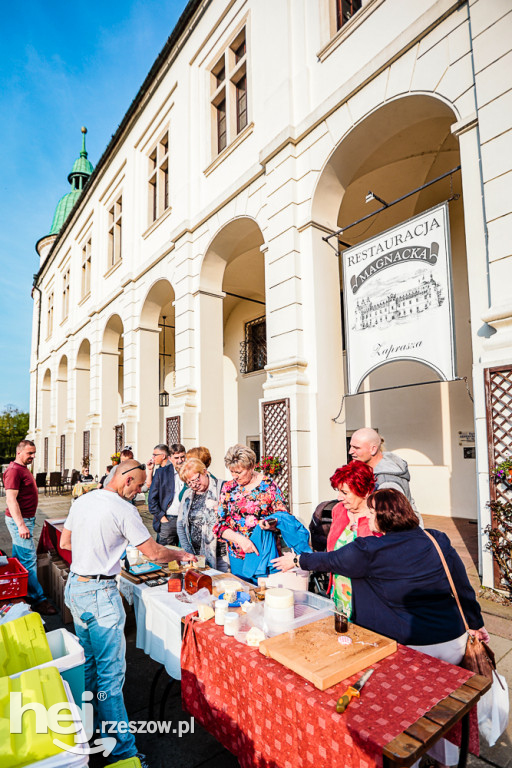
<point x="398" y="298"/>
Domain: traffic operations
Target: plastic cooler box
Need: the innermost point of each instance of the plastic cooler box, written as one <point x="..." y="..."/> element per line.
<point x="13" y="579"/>
<point x="25" y="645"/>
<point x="29" y="748"/>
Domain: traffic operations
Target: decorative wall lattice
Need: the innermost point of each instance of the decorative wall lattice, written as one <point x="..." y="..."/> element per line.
<point x="173" y="430"/>
<point x="46" y="454"/>
<point x="498" y="396"/>
<point x="62" y="452"/>
<point x="276" y="440"/>
<point x="498" y="391"/>
<point x="119" y="438"/>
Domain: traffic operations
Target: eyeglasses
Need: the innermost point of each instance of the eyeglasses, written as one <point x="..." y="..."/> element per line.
<point x="194" y="480"/>
<point x="132" y="469"/>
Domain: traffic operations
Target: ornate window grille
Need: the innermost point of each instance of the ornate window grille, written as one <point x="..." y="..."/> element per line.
<point x="345" y="9"/>
<point x="173" y="430"/>
<point x="253" y="350"/>
<point x="62" y="452"/>
<point x="86" y="446"/>
<point x="119" y="430"/>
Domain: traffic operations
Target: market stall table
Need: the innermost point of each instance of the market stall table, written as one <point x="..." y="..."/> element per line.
<point x="49" y="539"/>
<point x="80" y="488"/>
<point x="269" y="716"/>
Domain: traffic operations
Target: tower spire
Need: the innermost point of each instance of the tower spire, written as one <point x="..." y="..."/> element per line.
<point x="83" y="153"/>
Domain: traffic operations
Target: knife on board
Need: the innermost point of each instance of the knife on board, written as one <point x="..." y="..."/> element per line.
<point x="352" y="691"/>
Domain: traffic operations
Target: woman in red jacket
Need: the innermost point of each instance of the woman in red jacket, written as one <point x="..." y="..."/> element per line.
<point x="354" y="483"/>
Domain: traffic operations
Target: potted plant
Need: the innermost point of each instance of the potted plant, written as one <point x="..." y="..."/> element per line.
<point x="502" y="472"/>
<point x="500" y="540"/>
<point x="115" y="458"/>
<point x="270" y="465"/>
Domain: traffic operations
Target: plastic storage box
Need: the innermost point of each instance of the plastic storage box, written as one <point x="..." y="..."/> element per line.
<point x="308" y="607"/>
<point x="68" y="656"/>
<point x="23" y="645"/>
<point x="132" y="762"/>
<point x="29" y="748"/>
<point x="13" y="579"/>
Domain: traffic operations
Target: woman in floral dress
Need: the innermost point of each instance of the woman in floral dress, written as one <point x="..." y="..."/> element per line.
<point x="244" y="503"/>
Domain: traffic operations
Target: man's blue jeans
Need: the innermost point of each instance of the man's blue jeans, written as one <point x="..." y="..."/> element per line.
<point x="99" y="619"/>
<point x="25" y="551"/>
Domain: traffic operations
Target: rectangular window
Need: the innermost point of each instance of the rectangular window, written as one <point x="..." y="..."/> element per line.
<point x="86" y="269"/>
<point x="158" y="179"/>
<point x="221" y="126"/>
<point x="65" y="294"/>
<point x="49" y="316"/>
<point x="241" y="104"/>
<point x="115" y="217"/>
<point x="254" y="347"/>
<point x="229" y="93"/>
<point x="345" y="9"/>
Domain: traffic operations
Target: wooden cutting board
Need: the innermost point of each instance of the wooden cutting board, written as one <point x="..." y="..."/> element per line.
<point x="313" y="651"/>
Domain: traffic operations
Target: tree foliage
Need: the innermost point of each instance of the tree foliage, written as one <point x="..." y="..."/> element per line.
<point x="13" y="428"/>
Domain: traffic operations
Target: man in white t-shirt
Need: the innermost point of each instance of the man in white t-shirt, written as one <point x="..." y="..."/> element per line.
<point x="97" y="530"/>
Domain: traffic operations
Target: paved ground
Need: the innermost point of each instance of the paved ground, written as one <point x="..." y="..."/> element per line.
<point x="200" y="750"/>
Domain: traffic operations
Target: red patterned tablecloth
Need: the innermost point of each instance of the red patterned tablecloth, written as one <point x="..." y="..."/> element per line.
<point x="50" y="539"/>
<point x="270" y="717"/>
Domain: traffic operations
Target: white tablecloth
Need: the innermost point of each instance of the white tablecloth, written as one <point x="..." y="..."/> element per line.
<point x="158" y="614"/>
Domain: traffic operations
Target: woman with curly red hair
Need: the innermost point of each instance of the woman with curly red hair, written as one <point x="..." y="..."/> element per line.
<point x="354" y="483"/>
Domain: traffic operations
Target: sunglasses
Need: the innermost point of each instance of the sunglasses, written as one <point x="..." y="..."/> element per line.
<point x="139" y="466"/>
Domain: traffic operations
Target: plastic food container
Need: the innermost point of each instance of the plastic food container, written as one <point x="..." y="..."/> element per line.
<point x="279" y="607"/>
<point x="13" y="579"/>
<point x="308" y="607"/>
<point x="68" y="656"/>
<point x="23" y="644"/>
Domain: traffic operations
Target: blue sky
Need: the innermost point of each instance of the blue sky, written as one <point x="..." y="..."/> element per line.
<point x="62" y="65"/>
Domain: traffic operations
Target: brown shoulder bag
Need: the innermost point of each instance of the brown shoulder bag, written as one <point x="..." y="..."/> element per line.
<point x="478" y="658"/>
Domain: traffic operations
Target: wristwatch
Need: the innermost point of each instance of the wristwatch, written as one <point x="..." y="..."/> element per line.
<point x="296" y="561"/>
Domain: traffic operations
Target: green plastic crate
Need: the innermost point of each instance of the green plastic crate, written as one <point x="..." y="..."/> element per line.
<point x="23" y="645"/>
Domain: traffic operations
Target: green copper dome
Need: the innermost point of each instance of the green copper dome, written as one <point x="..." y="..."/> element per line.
<point x="82" y="169"/>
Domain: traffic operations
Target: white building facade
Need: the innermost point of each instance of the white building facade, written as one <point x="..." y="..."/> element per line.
<point x="194" y="263"/>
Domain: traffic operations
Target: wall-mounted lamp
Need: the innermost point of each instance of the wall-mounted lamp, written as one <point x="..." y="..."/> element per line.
<point x="372" y="196"/>
<point x="163" y="397"/>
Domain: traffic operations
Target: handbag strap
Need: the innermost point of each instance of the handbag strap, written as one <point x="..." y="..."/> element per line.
<point x="449" y="576"/>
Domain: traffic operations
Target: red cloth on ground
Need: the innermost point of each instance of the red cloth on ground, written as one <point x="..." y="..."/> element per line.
<point x="270" y="717"/>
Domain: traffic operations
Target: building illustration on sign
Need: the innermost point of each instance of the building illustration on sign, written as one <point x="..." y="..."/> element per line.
<point x="398" y="305"/>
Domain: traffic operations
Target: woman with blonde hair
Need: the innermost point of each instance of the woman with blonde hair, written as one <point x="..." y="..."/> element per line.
<point x="251" y="508"/>
<point x="197" y="515"/>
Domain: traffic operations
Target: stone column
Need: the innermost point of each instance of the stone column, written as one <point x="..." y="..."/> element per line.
<point x="209" y="356"/>
<point x="148" y="429"/>
<point x="109" y="363"/>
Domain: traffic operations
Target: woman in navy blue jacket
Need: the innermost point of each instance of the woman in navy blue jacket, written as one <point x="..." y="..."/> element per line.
<point x="400" y="588"/>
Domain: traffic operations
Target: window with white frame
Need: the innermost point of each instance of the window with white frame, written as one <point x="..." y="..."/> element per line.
<point x="158" y="180"/>
<point x="345" y="9"/>
<point x="229" y="94"/>
<point x="115" y="219"/>
<point x="49" y="315"/>
<point x="86" y="269"/>
<point x="65" y="293"/>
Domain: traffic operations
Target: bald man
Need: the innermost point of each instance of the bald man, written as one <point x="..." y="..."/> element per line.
<point x="390" y="470"/>
<point x="98" y="528"/>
